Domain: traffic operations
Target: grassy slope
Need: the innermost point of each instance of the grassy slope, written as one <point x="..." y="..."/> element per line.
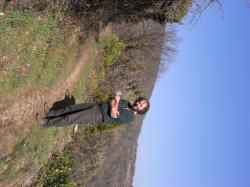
<point x="51" y="55"/>
<point x="34" y="147"/>
<point x="29" y="153"/>
<point x="58" y="167"/>
<point x="99" y="155"/>
<point x="34" y="51"/>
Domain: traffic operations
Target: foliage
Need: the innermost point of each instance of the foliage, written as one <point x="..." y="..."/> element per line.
<point x="38" y="5"/>
<point x="163" y="11"/>
<point x="111" y="48"/>
<point x="93" y="129"/>
<point x="55" y="173"/>
<point x="170" y="11"/>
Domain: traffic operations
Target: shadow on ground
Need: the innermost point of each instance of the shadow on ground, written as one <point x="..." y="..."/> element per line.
<point x="68" y="100"/>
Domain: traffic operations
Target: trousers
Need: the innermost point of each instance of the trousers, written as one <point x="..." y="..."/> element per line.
<point x="83" y="113"/>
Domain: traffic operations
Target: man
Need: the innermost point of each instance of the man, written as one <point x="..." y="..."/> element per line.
<point x="115" y="111"/>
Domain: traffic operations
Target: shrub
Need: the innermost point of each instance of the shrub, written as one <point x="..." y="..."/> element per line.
<point x="56" y="172"/>
<point x="111" y="48"/>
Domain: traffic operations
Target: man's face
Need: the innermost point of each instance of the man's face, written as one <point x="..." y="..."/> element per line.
<point x="139" y="105"/>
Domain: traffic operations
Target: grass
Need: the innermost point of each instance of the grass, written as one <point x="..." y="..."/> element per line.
<point x="36" y="61"/>
<point x="34" y="52"/>
<point x="32" y="150"/>
<point x="56" y="172"/>
<point x="34" y="147"/>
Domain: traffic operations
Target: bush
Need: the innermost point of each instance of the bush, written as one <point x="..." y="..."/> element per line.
<point x="111" y="48"/>
<point x="56" y="172"/>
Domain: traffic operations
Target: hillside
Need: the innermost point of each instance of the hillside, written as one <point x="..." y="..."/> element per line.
<point x="50" y="47"/>
<point x="113" y="153"/>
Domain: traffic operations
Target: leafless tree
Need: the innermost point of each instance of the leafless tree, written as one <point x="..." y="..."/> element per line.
<point x="141" y="38"/>
<point x="199" y="6"/>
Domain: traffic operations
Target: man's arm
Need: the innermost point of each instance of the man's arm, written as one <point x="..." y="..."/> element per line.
<point x="113" y="104"/>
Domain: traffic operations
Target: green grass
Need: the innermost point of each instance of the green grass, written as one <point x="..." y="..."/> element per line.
<point x="56" y="171"/>
<point x="34" y="52"/>
<point x="58" y="168"/>
<point x="32" y="150"/>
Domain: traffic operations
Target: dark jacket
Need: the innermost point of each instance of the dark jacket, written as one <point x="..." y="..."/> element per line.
<point x="125" y="116"/>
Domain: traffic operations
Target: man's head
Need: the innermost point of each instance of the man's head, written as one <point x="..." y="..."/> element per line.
<point x="141" y="105"/>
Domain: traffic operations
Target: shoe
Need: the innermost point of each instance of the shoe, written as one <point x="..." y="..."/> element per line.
<point x="40" y="120"/>
<point x="67" y="93"/>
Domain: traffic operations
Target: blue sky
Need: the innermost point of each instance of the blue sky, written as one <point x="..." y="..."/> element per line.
<point x="197" y="132"/>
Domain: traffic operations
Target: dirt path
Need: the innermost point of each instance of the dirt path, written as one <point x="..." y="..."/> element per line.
<point x="27" y="105"/>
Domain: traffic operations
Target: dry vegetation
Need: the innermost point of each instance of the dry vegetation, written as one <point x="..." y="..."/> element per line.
<point x="129" y="56"/>
<point x="106" y="155"/>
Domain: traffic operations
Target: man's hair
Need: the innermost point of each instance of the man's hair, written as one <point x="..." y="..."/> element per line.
<point x="143" y="111"/>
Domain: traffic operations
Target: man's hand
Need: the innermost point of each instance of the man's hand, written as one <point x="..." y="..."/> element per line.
<point x="114" y="106"/>
<point x="117" y="99"/>
<point x="114" y="113"/>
